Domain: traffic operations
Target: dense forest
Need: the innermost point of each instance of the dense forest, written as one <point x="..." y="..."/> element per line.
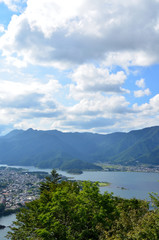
<point x="69" y="210"/>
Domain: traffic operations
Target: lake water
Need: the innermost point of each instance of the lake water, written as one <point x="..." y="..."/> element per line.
<point x="135" y="184"/>
<point x="6" y="221"/>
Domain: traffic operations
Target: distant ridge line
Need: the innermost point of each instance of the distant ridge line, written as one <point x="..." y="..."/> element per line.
<point x="56" y="149"/>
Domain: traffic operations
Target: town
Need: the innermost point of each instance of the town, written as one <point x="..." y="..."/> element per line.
<point x="121" y="168"/>
<point x="18" y="187"/>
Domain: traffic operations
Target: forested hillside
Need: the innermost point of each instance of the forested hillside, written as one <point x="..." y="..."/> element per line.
<point x="55" y="149"/>
<point x="72" y="211"/>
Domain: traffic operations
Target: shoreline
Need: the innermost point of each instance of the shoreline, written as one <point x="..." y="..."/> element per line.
<point x="122" y="168"/>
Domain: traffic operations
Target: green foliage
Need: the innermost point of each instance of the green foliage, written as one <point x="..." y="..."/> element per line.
<point x="147" y="227"/>
<point x="78" y="211"/>
<point x="53" y="179"/>
<point x="155" y="200"/>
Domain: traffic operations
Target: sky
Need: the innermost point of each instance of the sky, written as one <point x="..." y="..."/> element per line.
<point x="79" y="66"/>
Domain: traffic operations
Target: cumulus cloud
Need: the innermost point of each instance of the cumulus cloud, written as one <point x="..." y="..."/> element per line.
<point x="22" y="101"/>
<point x="19" y="101"/>
<point x="144" y="92"/>
<point x="112" y="114"/>
<point x="10" y="90"/>
<point x="100" y="105"/>
<point x="97" y="42"/>
<point x="93" y="114"/>
<point x="73" y="32"/>
<point x="90" y="79"/>
<point x="141" y="93"/>
<point x="96" y="113"/>
<point x="126" y="58"/>
<point x="149" y="109"/>
<point x="140" y="83"/>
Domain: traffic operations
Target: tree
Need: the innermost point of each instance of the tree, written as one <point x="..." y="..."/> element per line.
<point x="69" y="210"/>
<point x="53" y="179"/>
<point x="146" y="228"/>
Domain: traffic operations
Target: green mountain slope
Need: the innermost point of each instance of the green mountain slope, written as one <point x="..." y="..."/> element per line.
<point x="56" y="149"/>
<point x="137" y="144"/>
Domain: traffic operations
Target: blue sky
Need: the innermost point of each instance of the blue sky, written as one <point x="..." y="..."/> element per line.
<point x="86" y="66"/>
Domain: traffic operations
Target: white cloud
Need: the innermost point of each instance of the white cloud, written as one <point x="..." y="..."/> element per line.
<point x="89" y="38"/>
<point x="100" y="106"/>
<point x="19" y="101"/>
<point x="144" y="92"/>
<point x="73" y="32"/>
<point x="13" y="5"/>
<point x="140" y="83"/>
<point x="129" y="58"/>
<point x="150" y="109"/>
<point x="89" y="79"/>
<point x="9" y="89"/>
<point x="95" y="114"/>
<point x="141" y="93"/>
<point x="49" y="15"/>
<point x="1" y="28"/>
<point x="154" y="103"/>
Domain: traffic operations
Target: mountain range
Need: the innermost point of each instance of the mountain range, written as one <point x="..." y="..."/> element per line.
<point x="55" y="149"/>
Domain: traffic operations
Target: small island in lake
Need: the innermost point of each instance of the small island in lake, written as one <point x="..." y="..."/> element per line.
<point x="104" y="184"/>
<point x="2" y="226"/>
<point x="75" y="171"/>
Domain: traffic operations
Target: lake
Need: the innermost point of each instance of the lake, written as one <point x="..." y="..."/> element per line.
<point x="7" y="221"/>
<point x="135" y="184"/>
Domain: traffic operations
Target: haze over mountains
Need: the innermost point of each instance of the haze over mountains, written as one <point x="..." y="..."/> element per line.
<point x="55" y="149"/>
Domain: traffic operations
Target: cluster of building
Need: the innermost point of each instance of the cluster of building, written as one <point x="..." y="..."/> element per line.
<point x="18" y="187"/>
<point x="153" y="169"/>
<point x="140" y="168"/>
